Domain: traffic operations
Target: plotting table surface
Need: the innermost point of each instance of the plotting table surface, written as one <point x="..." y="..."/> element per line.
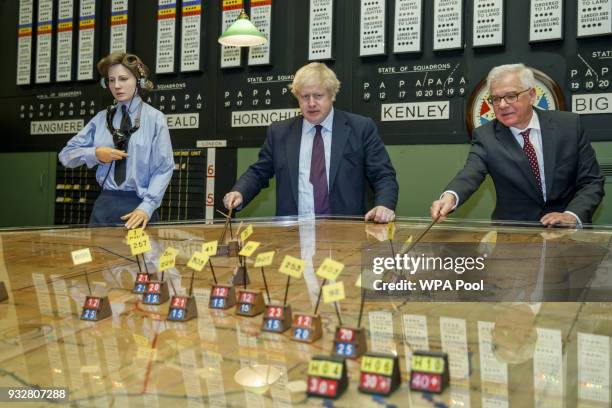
<point x="553" y="354"/>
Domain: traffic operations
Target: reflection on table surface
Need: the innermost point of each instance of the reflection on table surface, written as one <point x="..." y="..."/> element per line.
<point x="528" y="353"/>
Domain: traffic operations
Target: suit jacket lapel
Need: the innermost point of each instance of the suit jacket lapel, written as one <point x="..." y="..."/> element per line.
<point x="340" y="134"/>
<point x="292" y="146"/>
<point x="507" y="140"/>
<point x="549" y="147"/>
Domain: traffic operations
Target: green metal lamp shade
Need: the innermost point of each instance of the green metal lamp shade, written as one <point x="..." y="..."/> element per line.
<point x="242" y="33"/>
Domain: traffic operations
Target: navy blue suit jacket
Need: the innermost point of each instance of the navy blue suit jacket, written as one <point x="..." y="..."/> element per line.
<point x="573" y="178"/>
<point x="358" y="156"/>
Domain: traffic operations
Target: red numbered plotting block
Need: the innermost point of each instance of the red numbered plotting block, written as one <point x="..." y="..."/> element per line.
<point x="275" y="312"/>
<point x="153" y="287"/>
<point x="323" y="387"/>
<point x="92" y="303"/>
<point x="178" y="302"/>
<point x="345" y="335"/>
<point x="375" y="383"/>
<point x="426" y="382"/>
<point x="220" y="291"/>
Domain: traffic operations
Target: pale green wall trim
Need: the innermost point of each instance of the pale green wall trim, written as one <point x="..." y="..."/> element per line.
<point x="423" y="171"/>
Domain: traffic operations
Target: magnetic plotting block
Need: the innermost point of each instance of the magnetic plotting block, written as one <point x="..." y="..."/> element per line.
<point x="231" y="248"/>
<point x="277" y="318"/>
<point x="429" y="372"/>
<point x="250" y="303"/>
<point x="96" y="308"/>
<point x="3" y="292"/>
<point x="222" y="297"/>
<point x="306" y="328"/>
<point x="327" y="377"/>
<point x="141" y="283"/>
<point x="380" y="374"/>
<point x="349" y="342"/>
<point x="240" y="276"/>
<point x="182" y="308"/>
<point x="156" y="293"/>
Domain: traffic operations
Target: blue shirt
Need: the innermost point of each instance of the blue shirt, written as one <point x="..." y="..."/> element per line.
<point x="149" y="165"/>
<point x="305" y="191"/>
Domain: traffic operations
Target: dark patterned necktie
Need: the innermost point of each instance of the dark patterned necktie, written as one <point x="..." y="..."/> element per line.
<point x="318" y="174"/>
<point x="531" y="157"/>
<point x="120" y="165"/>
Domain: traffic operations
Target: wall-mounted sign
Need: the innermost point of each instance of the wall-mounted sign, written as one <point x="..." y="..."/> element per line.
<point x="372" y="29"/>
<point x="261" y="17"/>
<point x="545" y="20"/>
<point x="166" y="36"/>
<point x="488" y="23"/>
<point x="44" y="35"/>
<point x="321" y="30"/>
<point x="594" y="17"/>
<point x="408" y="27"/>
<point x="24" y="42"/>
<point x="63" y="60"/>
<point x="87" y="36"/>
<point x="119" y="25"/>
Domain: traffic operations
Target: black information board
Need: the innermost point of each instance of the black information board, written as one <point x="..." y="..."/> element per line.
<point x="417" y="90"/>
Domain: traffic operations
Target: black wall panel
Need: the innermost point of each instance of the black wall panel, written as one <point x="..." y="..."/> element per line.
<point x="577" y="65"/>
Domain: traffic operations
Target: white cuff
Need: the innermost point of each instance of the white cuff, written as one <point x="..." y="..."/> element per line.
<point x="456" y="198"/>
<point x="578" y="222"/>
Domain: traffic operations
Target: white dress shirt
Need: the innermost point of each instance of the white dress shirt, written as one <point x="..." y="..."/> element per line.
<point x="305" y="190"/>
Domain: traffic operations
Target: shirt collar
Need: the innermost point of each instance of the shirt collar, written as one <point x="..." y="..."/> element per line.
<point x="327" y="123"/>
<point x="534" y="123"/>
<point x="136" y="100"/>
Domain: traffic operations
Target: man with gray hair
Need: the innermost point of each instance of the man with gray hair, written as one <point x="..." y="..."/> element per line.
<point x="541" y="162"/>
<point x="323" y="159"/>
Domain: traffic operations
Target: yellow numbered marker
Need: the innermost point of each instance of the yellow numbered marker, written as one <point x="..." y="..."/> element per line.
<point x="324" y="368"/>
<point x="292" y="266"/>
<point x="333" y="292"/>
<point x="377" y="365"/>
<point x="391" y="230"/>
<point x="140" y="244"/>
<point x="244" y="235"/>
<point x="197" y="261"/>
<point x="406" y="245"/>
<point x="81" y="256"/>
<point x="171" y="251"/>
<point x="330" y="269"/>
<point x="166" y="261"/>
<point x="264" y="259"/>
<point x="134" y="234"/>
<point x="358" y="283"/>
<point x="248" y="248"/>
<point x="427" y="364"/>
<point x="210" y="248"/>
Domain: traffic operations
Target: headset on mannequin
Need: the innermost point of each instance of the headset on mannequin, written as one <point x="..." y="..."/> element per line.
<point x="141" y="82"/>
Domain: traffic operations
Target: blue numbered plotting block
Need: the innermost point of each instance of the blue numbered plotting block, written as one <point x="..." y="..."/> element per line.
<point x="306" y="328"/>
<point x="141" y="283"/>
<point x="349" y="342"/>
<point x="277" y="318"/>
<point x="182" y="309"/>
<point x="96" y="308"/>
<point x="222" y="297"/>
<point x="250" y="303"/>
<point x="155" y="293"/>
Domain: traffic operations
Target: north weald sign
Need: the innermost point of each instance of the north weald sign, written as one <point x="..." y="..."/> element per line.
<point x="73" y="126"/>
